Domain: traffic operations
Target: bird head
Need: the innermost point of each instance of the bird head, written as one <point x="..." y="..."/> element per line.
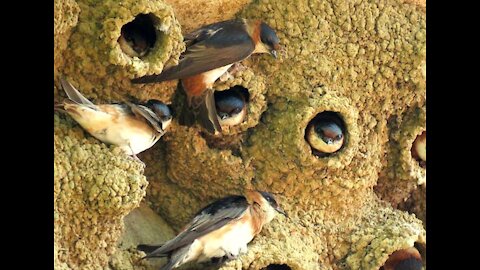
<point x="162" y="111"/>
<point x="266" y="202"/>
<point x="269" y="39"/>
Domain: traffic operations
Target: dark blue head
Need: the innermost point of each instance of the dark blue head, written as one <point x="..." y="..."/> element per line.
<point x="269" y="39"/>
<point x="330" y="132"/>
<point x="161" y="110"/>
<point x="229" y="103"/>
<point x="273" y="203"/>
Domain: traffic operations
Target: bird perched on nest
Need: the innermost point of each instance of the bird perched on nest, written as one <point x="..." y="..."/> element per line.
<point x="211" y="51"/>
<point x="133" y="127"/>
<point x="221" y="229"/>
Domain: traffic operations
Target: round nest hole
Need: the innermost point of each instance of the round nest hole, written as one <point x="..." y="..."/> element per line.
<point x="277" y="267"/>
<point x="404" y="259"/>
<point x="232" y="105"/>
<point x="419" y="149"/>
<point x="138" y="36"/>
<point x="325" y="134"/>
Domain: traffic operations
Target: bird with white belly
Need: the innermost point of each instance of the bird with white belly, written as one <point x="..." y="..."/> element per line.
<point x="221" y="229"/>
<point x="132" y="127"/>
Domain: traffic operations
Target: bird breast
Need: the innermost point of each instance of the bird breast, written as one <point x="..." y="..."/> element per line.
<point x="197" y="84"/>
<point x="232" y="238"/>
<point x="234" y="119"/>
<point x="111" y="125"/>
<point x="212" y="75"/>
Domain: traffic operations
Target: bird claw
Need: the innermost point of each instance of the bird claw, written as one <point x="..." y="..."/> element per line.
<point x="234" y="69"/>
<point x="139" y="160"/>
<point x="237" y="67"/>
<point x="229" y="256"/>
<point x="134" y="156"/>
<point x="226" y="76"/>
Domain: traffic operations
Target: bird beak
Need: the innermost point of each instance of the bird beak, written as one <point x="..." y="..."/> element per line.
<point x="281" y="211"/>
<point x="274" y="53"/>
<point x="166" y="123"/>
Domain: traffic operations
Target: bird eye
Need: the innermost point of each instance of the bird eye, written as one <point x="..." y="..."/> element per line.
<point x="325" y="133"/>
<point x="223" y="115"/>
<point x="166" y="118"/>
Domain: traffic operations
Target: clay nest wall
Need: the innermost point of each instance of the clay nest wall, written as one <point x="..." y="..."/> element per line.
<point x="362" y="61"/>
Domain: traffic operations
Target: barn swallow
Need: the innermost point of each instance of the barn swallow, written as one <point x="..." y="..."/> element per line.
<point x="211" y="51"/>
<point x="324" y="135"/>
<point x="419" y="149"/>
<point x="404" y="259"/>
<point x="231" y="107"/>
<point x="221" y="229"/>
<point x="133" y="127"/>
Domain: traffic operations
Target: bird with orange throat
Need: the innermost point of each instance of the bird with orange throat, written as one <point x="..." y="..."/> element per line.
<point x="211" y="52"/>
<point x="134" y="127"/>
<point x="220" y="230"/>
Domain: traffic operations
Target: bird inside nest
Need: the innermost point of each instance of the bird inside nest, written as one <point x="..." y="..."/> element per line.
<point x="138" y="37"/>
<point x="325" y="135"/>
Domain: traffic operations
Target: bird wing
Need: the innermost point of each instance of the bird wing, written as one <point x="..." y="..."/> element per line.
<point x="147" y="114"/>
<point x="210" y="218"/>
<point x="207" y="112"/>
<point x="215" y="46"/>
<point x="209" y="30"/>
<point x="75" y="96"/>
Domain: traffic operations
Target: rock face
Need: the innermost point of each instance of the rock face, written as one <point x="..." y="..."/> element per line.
<point x="362" y="61"/>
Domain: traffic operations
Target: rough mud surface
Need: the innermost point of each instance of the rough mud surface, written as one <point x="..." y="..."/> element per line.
<point x="363" y="60"/>
<point x="95" y="186"/>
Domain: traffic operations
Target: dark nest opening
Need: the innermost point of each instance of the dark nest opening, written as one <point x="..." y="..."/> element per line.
<point x="139" y="36"/>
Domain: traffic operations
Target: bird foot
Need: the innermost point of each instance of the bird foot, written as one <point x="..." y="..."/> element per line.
<point x="229" y="256"/>
<point x="237" y="67"/>
<point x="234" y="69"/>
<point x="134" y="157"/>
<point x="226" y="76"/>
<point x="141" y="162"/>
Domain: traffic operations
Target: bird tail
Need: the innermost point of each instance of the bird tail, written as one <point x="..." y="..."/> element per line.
<point x="59" y="107"/>
<point x="148" y="248"/>
<point x="170" y="265"/>
<point x="207" y="112"/>
<point x="151" y="251"/>
<point x="75" y="95"/>
<point x="177" y="258"/>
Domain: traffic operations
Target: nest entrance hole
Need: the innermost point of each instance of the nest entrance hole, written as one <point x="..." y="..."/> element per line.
<point x="237" y="88"/>
<point x="139" y="36"/>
